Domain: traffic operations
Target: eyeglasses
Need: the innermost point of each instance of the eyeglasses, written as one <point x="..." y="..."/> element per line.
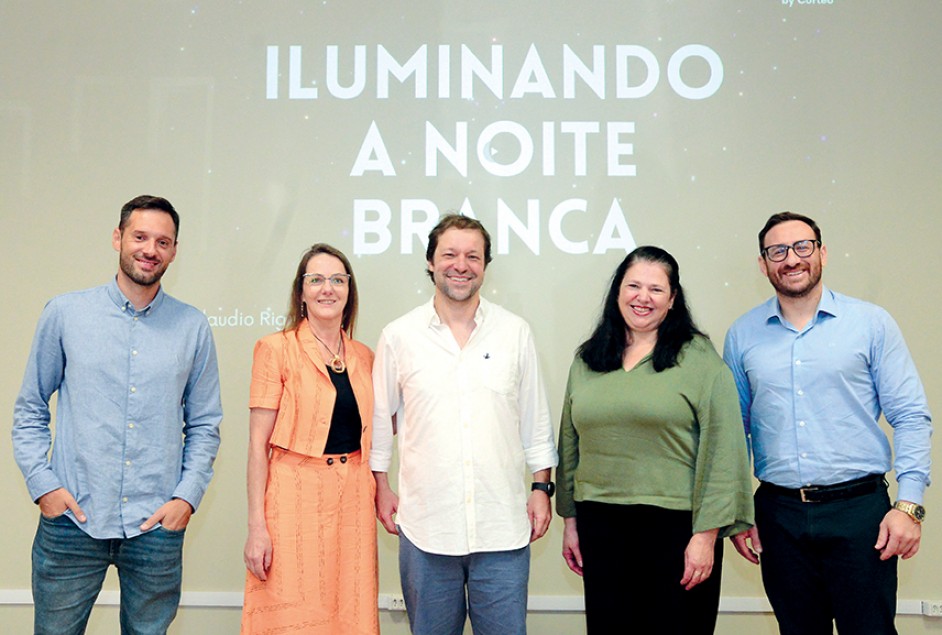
<point x="802" y="249"/>
<point x="316" y="280"/>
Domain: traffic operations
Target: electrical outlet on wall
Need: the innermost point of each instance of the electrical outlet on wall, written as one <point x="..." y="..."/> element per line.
<point x="932" y="608"/>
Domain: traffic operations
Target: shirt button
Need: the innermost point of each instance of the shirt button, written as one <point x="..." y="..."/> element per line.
<point x="804" y="455"/>
<point x="797" y="362"/>
<point x="124" y="500"/>
<point x="133" y="352"/>
<point x="133" y="389"/>
<point x="128" y="463"/>
<point x="801" y="392"/>
<point x="135" y="318"/>
<point x="801" y="424"/>
<point x="131" y="425"/>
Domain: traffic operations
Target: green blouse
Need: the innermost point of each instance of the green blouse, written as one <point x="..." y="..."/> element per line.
<point x="672" y="439"/>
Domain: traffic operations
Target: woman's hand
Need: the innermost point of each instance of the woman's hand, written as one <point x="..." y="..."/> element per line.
<point x="257" y="554"/>
<point x="698" y="558"/>
<point x="571" y="553"/>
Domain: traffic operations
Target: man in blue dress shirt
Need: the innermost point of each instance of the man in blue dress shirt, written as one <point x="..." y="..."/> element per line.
<point x="814" y="370"/>
<point x="136" y="433"/>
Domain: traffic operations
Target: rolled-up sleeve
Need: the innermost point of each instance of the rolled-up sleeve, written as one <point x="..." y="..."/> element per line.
<point x="387" y="399"/>
<point x="536" y="428"/>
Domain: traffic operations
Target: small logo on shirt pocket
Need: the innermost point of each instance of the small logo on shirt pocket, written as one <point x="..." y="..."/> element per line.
<point x="498" y="373"/>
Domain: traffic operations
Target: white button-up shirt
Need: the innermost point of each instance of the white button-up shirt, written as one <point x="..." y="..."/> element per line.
<point x="468" y="419"/>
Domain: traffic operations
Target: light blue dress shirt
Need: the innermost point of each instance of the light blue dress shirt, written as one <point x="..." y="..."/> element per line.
<point x="811" y="399"/>
<point x="137" y="411"/>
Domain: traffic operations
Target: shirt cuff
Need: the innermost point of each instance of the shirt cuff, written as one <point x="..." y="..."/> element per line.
<point x="191" y="494"/>
<point x="43" y="483"/>
<point x="541" y="459"/>
<point x="379" y="464"/>
<point x="911" y="490"/>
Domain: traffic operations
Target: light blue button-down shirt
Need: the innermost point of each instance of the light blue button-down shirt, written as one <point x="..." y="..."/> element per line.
<point x="138" y="407"/>
<point x="811" y="399"/>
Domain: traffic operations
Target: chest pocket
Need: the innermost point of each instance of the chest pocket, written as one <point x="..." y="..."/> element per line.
<point x="497" y="371"/>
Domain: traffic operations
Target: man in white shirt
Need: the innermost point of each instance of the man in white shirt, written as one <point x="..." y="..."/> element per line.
<point x="459" y="378"/>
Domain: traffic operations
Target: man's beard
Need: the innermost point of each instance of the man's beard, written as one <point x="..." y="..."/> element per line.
<point x="138" y="277"/>
<point x="814" y="277"/>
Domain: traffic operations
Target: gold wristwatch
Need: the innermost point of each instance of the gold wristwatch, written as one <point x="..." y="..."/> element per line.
<point x="914" y="511"/>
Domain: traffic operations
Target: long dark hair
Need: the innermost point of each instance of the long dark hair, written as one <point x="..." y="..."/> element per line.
<point x="297" y="312"/>
<point x="605" y="349"/>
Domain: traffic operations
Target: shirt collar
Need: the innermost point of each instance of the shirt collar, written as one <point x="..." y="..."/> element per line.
<point x="479" y="314"/>
<point x="827" y="305"/>
<point x="122" y="302"/>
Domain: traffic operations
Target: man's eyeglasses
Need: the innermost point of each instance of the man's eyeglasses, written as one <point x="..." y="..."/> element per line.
<point x="802" y="249"/>
<point x="317" y="280"/>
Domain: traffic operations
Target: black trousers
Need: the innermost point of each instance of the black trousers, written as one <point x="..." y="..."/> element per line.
<point x="633" y="560"/>
<point x="819" y="565"/>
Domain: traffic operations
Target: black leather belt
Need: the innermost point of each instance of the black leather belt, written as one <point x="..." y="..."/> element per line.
<point x="827" y="493"/>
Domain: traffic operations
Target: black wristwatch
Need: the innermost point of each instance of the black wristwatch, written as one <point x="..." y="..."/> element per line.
<point x="549" y="488"/>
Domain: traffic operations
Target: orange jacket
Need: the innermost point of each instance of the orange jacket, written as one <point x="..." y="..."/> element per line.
<point x="289" y="375"/>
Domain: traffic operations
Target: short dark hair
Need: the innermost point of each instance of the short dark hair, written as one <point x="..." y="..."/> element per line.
<point x="604" y="350"/>
<point x="455" y="221"/>
<point x="784" y="217"/>
<point x="295" y="311"/>
<point x="150" y="202"/>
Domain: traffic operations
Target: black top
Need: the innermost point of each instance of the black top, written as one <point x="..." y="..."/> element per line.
<point x="345" y="424"/>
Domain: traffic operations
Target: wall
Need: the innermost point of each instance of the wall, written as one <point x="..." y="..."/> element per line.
<point x="830" y="109"/>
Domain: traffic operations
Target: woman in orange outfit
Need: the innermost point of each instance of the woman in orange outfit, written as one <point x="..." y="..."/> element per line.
<point x="311" y="548"/>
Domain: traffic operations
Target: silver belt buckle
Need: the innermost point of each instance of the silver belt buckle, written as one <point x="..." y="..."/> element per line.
<point x="805" y="490"/>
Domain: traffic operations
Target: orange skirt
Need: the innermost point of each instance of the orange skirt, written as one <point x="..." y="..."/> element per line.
<point x="323" y="578"/>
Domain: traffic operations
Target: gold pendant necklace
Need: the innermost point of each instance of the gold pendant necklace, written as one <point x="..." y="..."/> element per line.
<point x="336" y="362"/>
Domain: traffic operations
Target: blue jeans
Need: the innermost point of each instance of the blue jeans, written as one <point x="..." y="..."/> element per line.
<point x="69" y="567"/>
<point x="434" y="588"/>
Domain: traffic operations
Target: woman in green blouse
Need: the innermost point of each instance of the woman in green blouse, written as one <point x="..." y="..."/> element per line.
<point x="653" y="466"/>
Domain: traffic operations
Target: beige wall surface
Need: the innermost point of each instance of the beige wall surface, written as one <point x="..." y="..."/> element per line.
<point x="574" y="131"/>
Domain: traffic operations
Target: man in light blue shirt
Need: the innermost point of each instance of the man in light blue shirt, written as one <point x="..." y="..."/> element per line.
<point x="136" y="433"/>
<point x="814" y="370"/>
